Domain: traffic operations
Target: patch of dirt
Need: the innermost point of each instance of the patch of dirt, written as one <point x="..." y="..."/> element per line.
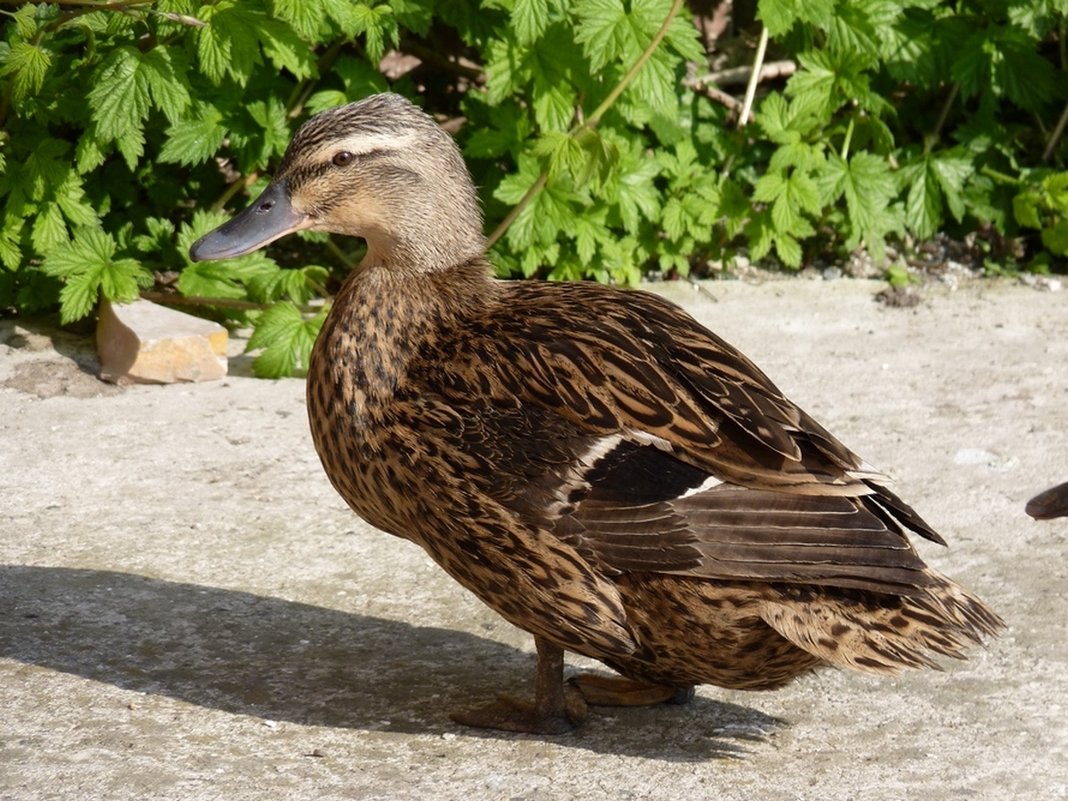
<point x="47" y="378"/>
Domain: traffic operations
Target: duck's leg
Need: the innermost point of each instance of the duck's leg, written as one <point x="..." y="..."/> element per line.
<point x="557" y="708"/>
<point x="619" y="691"/>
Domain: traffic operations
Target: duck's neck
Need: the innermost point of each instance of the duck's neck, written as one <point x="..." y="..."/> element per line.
<point x="380" y="320"/>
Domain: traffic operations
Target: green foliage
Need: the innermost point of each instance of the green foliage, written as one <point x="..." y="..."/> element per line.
<point x="1043" y="205"/>
<point x="127" y="127"/>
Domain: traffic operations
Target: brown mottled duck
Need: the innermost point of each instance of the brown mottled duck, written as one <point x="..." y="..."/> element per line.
<point x="592" y="463"/>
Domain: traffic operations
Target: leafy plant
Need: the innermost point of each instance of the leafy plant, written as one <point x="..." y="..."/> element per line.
<point x="598" y="132"/>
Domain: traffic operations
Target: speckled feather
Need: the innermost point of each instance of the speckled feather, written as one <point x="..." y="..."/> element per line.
<point x="592" y="463"/>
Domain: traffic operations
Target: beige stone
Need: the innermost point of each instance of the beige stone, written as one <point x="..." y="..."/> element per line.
<point x="147" y="343"/>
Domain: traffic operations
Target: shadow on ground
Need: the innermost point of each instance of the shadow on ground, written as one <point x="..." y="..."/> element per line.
<point x="288" y="661"/>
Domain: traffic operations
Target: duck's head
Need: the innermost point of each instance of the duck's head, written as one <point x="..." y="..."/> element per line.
<point x="380" y="169"/>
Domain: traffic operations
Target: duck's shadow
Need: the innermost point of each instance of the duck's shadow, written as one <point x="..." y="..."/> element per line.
<point x="287" y="661"/>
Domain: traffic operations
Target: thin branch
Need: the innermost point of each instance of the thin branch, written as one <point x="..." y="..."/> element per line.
<point x="754" y="78"/>
<point x="737" y="76"/>
<point x="1055" y="137"/>
<point x="942" y="115"/>
<point x="234" y="304"/>
<point x="517" y="209"/>
<point x="716" y="96"/>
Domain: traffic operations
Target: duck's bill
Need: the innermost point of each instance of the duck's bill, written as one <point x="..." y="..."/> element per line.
<point x="270" y="217"/>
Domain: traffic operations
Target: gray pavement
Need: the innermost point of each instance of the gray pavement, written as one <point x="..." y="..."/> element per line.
<point x="187" y="611"/>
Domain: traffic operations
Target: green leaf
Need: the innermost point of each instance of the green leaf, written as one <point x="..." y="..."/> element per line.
<point x="195" y="139"/>
<point x="1055" y="238"/>
<point x="89" y="268"/>
<point x="120" y="101"/>
<point x="378" y="25"/>
<point x="229" y="43"/>
<point x="286" y="339"/>
<point x="604" y="31"/>
<point x="951" y="172"/>
<point x="49" y="230"/>
<point x="868" y="187"/>
<point x="284" y="49"/>
<point x="304" y="16"/>
<point x="780" y="15"/>
<point x="635" y="194"/>
<point x="29" y="64"/>
<point x="166" y="82"/>
<point x="1004" y="60"/>
<point x="530" y="18"/>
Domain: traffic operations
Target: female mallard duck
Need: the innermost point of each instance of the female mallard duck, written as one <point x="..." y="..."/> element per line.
<point x="592" y="463"/>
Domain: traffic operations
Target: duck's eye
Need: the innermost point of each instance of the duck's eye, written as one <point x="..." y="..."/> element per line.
<point x="342" y="157"/>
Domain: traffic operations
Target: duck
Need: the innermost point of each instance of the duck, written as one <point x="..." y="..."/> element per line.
<point x="1049" y="503"/>
<point x="596" y="466"/>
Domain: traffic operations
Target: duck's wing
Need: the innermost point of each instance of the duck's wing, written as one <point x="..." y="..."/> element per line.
<point x="681" y="456"/>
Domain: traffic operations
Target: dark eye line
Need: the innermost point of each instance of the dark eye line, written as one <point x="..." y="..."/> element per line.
<point x="343" y="158"/>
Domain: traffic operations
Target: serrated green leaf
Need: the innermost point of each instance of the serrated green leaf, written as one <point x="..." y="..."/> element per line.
<point x="270" y="116"/>
<point x="923" y="204"/>
<point x="324" y="99"/>
<point x="285" y="49"/>
<point x="49" y="229"/>
<point x="788" y="250"/>
<point x="635" y="194"/>
<point x="70" y="195"/>
<point x="780" y="15"/>
<point x="562" y="152"/>
<point x="195" y="139"/>
<point x="209" y="279"/>
<point x="166" y="82"/>
<point x="10" y="252"/>
<point x="304" y="16"/>
<point x="378" y="25"/>
<point x="78" y="297"/>
<point x="120" y="101"/>
<point x="88" y="268"/>
<point x="28" y="64"/>
<point x="554" y="104"/>
<point x="286" y="338"/>
<point x="769" y="187"/>
<point x="529" y="20"/>
<point x="951" y="172"/>
<point x="229" y="43"/>
<point x="868" y="187"/>
<point x="654" y="84"/>
<point x="1004" y="59"/>
<point x="1055" y="238"/>
<point x="604" y="31"/>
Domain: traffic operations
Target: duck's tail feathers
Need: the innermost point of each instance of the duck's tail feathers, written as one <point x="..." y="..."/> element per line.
<point x="879" y="633"/>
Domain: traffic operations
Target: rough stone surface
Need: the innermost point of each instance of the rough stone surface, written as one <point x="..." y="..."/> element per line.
<point x="187" y="611"/>
<point x="147" y="343"/>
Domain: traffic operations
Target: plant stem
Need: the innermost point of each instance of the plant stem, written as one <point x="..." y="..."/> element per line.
<point x="942" y="115"/>
<point x="1055" y="137"/>
<point x="589" y="123"/>
<point x="848" y="138"/>
<point x="754" y="78"/>
<point x="173" y="299"/>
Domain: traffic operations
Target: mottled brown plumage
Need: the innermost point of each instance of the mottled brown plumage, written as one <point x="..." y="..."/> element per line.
<point x="596" y="466"/>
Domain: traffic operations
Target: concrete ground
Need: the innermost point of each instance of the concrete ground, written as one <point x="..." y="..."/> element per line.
<point x="187" y="611"/>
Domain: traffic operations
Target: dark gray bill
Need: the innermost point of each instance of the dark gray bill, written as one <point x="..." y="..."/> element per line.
<point x="269" y="217"/>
